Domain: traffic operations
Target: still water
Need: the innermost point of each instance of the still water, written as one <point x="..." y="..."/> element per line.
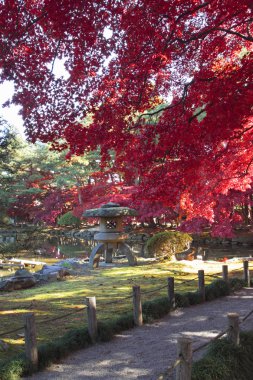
<point x="61" y="247"/>
<point x="56" y="247"/>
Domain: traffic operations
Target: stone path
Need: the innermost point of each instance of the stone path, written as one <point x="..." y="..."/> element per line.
<point x="145" y="352"/>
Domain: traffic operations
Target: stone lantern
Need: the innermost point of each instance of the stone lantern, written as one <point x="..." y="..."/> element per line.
<point x="110" y="235"/>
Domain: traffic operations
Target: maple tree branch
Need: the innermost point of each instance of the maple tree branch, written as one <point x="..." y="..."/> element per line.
<point x="25" y="33"/>
<point x="186" y="13"/>
<point x="206" y="32"/>
<point x="170" y="105"/>
<point x="248" y="28"/>
<point x="55" y="55"/>
<point x="142" y="91"/>
<point x="34" y="21"/>
<point x="239" y="135"/>
<point x="239" y="176"/>
<point x="228" y="31"/>
<point x="191" y="11"/>
<point x="248" y="166"/>
<point x="196" y="115"/>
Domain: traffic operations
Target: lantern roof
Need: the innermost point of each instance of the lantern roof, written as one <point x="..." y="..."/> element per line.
<point x="110" y="209"/>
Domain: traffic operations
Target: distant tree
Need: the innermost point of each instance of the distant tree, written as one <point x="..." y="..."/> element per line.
<point x="69" y="219"/>
<point x="9" y="144"/>
<point x="44" y="184"/>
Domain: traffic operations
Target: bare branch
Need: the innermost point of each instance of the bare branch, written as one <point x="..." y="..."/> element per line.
<point x="228" y="31"/>
<point x="55" y="56"/>
<point x="170" y="105"/>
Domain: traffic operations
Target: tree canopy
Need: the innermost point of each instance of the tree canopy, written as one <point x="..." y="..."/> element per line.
<point x="38" y="184"/>
<point x="188" y="62"/>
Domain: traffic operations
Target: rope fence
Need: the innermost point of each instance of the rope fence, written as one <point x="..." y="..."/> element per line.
<point x="183" y="362"/>
<point x="61" y="316"/>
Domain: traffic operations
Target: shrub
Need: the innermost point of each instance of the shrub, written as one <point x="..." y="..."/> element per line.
<point x="69" y="219"/>
<point x="226" y="361"/>
<point x="167" y="244"/>
<point x="237" y="283"/>
<point x="13" y="369"/>
<point x="107" y="330"/>
<point x="182" y="300"/>
<point x="155" y="309"/>
<point x="10" y="248"/>
<point x="217" y="288"/>
<point x="194" y="298"/>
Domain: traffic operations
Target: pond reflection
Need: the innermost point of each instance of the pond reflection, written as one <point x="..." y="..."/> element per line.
<point x="220" y="252"/>
<point x="60" y="247"/>
<point x="64" y="247"/>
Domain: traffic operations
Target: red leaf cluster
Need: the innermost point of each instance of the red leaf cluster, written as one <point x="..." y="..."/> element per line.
<point x="197" y="53"/>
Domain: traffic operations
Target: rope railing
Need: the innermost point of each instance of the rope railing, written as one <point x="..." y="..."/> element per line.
<point x="43" y="321"/>
<point x="11" y="331"/>
<point x="215" y="276"/>
<point x="188" y="281"/>
<point x="116" y="301"/>
<point x="154" y="290"/>
<point x="181" y="359"/>
<point x="218" y="336"/>
<point x="169" y="371"/>
<point x="61" y="316"/>
<point x="246" y="317"/>
<point x="137" y="307"/>
<point x="145" y="292"/>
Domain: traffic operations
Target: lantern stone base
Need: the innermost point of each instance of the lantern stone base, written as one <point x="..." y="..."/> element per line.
<point x="108" y="250"/>
<point x="110" y="237"/>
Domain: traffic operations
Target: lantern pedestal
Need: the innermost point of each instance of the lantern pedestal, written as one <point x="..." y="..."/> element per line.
<point x="110" y="235"/>
<point x="101" y="248"/>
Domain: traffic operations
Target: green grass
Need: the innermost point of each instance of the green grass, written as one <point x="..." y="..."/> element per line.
<point x="76" y="336"/>
<point x="61" y="297"/>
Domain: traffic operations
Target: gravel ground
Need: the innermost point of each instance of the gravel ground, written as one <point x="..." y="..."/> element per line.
<point x="145" y="352"/>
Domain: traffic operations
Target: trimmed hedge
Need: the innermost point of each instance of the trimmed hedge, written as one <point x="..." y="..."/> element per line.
<point x="69" y="219"/>
<point x="226" y="361"/>
<point x="167" y="244"/>
<point x="76" y="339"/>
<point x="155" y="309"/>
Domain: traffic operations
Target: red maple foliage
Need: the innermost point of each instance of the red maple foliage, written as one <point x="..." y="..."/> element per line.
<point x="44" y="207"/>
<point x="56" y="203"/>
<point x="123" y="58"/>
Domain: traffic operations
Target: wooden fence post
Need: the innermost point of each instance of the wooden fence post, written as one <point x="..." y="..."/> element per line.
<point x="92" y="317"/>
<point x="234" y="331"/>
<point x="138" y="320"/>
<point x="201" y="281"/>
<point x="171" y="292"/>
<point x="225" y="273"/>
<point x="31" y="350"/>
<point x="246" y="275"/>
<point x="184" y="352"/>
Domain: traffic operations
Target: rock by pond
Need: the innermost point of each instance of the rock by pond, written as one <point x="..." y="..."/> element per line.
<point x="24" y="279"/>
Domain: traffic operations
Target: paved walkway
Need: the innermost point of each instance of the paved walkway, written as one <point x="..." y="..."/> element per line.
<point x="145" y="352"/>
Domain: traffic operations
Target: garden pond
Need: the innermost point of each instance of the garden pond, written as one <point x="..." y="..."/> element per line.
<point x="51" y="247"/>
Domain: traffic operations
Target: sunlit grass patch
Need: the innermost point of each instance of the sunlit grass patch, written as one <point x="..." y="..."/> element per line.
<point x="113" y="290"/>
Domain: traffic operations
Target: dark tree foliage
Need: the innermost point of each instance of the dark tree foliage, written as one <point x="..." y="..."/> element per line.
<point x="187" y="62"/>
